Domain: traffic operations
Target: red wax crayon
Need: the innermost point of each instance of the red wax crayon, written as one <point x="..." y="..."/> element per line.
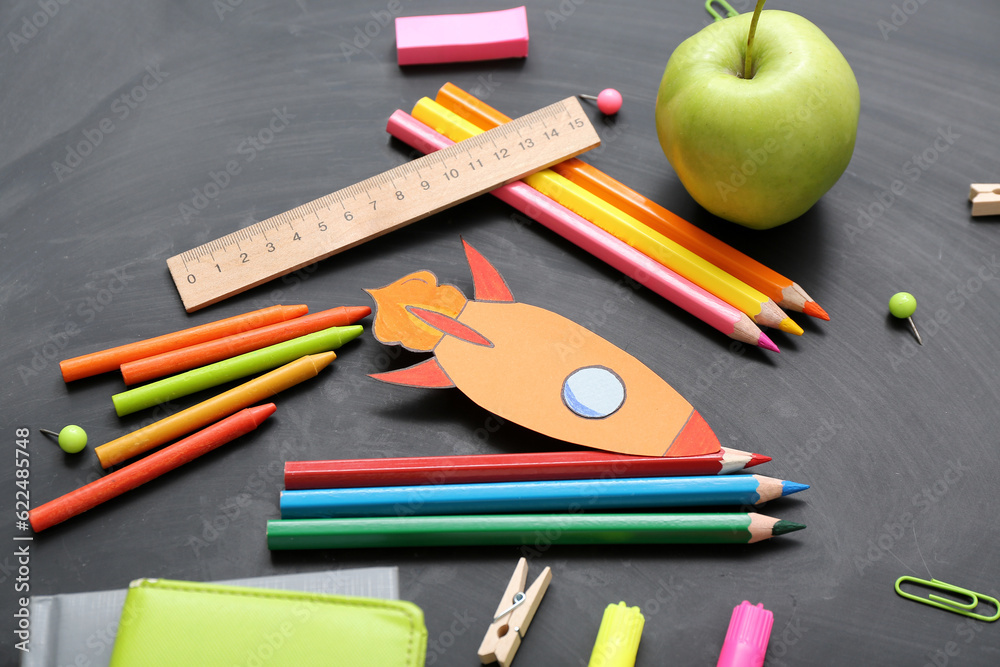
<point x="151" y="467"/>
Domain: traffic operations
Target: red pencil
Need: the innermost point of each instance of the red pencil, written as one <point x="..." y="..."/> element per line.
<point x="110" y="360"/>
<point x="211" y="351"/>
<point x="536" y="466"/>
<point x="151" y="467"/>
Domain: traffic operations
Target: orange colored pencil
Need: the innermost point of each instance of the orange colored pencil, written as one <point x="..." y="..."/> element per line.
<point x="211" y="351"/>
<point x="784" y="292"/>
<point x="111" y="360"/>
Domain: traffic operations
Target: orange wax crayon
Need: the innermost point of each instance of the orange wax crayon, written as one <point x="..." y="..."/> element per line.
<point x="110" y="360"/>
<point x="209" y="352"/>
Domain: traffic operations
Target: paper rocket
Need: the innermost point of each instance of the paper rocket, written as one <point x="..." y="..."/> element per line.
<point x="533" y="367"/>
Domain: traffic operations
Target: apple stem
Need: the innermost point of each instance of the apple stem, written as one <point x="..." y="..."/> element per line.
<point x="747" y="71"/>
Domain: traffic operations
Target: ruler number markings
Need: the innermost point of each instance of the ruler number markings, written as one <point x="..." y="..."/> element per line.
<point x="391" y="201"/>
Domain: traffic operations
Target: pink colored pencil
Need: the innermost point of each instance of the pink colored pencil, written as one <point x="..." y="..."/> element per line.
<point x="138" y="473"/>
<point x="641" y="268"/>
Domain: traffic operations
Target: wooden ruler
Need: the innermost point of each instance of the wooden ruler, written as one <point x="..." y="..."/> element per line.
<point x="345" y="218"/>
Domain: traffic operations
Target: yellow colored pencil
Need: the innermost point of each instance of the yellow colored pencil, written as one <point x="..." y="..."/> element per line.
<point x="788" y="294"/>
<point x="626" y="228"/>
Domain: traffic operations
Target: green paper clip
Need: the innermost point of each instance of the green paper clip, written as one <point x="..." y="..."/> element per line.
<point x="730" y="12"/>
<point x="963" y="608"/>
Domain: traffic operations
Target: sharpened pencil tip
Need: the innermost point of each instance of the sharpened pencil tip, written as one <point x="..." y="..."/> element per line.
<point x="783" y="527"/>
<point x="757" y="459"/>
<point x="788" y="488"/>
<point x="788" y="325"/>
<point x="767" y="343"/>
<point x="812" y="309"/>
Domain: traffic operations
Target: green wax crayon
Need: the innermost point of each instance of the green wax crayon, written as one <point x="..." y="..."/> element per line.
<point x="220" y="372"/>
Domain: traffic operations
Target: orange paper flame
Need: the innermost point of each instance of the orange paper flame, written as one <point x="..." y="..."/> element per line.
<point x="395" y="326"/>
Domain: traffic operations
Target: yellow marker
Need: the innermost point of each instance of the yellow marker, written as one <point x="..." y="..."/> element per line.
<point x="618" y="637"/>
<point x="213" y="409"/>
<point x="624" y="227"/>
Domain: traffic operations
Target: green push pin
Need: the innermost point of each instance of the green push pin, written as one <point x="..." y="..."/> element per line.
<point x="904" y="304"/>
<point x="72" y="439"/>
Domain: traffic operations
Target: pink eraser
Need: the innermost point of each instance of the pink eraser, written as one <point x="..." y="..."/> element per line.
<point x="747" y="637"/>
<point x="455" y="38"/>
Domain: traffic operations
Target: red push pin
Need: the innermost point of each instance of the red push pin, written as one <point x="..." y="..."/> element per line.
<point x="609" y="101"/>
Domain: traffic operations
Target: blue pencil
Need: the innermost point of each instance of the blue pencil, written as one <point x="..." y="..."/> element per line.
<point x="546" y="496"/>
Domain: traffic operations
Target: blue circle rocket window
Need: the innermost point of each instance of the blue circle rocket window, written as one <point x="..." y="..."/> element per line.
<point x="593" y="392"/>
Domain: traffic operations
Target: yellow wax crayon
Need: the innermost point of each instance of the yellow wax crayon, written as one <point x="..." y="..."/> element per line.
<point x="212" y="410"/>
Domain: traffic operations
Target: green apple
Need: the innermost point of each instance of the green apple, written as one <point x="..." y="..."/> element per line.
<point x="761" y="149"/>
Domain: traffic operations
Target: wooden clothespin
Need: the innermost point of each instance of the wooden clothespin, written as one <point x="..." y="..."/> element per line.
<point x="513" y="615"/>
<point x="985" y="198"/>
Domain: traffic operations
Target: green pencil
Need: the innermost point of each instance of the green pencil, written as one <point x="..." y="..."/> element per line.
<point x="215" y="374"/>
<point x="494" y="529"/>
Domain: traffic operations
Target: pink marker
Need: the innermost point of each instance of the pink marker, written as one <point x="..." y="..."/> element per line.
<point x="454" y="38"/>
<point x="747" y="637"/>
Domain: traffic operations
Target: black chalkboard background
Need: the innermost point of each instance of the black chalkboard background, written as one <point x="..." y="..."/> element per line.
<point x="899" y="442"/>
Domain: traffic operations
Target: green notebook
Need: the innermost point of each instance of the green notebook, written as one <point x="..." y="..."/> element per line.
<point x="172" y="623"/>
